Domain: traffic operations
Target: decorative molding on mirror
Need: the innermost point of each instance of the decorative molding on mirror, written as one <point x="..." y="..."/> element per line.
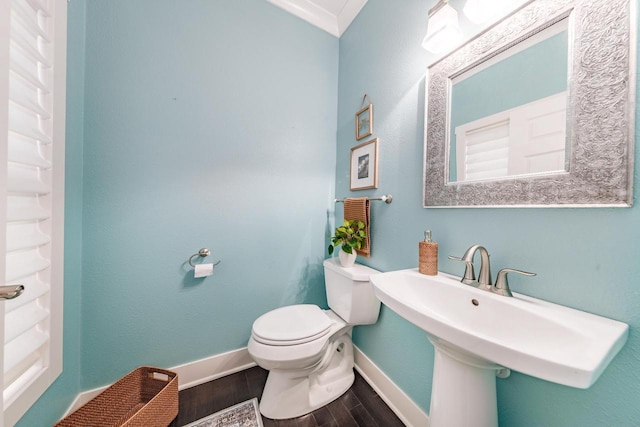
<point x="600" y="116"/>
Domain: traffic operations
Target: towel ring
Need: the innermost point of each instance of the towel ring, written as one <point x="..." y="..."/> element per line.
<point x="204" y="252"/>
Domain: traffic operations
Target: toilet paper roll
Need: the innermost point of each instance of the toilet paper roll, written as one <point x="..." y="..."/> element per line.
<point x="203" y="270"/>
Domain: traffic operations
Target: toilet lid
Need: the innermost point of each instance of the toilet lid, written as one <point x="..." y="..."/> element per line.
<point x="294" y="324"/>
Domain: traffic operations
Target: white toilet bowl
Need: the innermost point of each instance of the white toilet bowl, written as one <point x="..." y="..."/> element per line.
<point x="304" y="373"/>
<point x="307" y="350"/>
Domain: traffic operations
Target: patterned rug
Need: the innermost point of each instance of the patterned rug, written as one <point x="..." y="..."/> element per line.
<point x="243" y="414"/>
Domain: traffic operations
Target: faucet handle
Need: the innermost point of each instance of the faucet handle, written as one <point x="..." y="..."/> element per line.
<point x="502" y="283"/>
<point x="469" y="275"/>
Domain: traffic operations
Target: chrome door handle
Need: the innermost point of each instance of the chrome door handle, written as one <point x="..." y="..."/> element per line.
<point x="11" y="291"/>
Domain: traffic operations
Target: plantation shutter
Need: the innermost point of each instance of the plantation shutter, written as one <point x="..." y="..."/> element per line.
<point x="482" y="149"/>
<point x="32" y="323"/>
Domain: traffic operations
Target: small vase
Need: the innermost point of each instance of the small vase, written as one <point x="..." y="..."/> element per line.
<point x="347" y="260"/>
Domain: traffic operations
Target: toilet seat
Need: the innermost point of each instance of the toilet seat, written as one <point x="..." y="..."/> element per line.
<point x="291" y="325"/>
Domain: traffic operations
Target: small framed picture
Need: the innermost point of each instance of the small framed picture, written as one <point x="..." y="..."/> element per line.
<point x="364" y="165"/>
<point x="364" y="122"/>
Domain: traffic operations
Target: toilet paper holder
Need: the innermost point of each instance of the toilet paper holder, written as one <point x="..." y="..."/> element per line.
<point x="204" y="252"/>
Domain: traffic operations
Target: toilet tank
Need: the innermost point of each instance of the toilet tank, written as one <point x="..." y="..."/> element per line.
<point x="350" y="293"/>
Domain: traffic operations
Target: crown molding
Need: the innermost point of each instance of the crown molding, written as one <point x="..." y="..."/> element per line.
<point x="335" y="22"/>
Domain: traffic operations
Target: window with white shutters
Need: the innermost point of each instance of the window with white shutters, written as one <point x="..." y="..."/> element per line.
<point x="33" y="72"/>
<point x="528" y="139"/>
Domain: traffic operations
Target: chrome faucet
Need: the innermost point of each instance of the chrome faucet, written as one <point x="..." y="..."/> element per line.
<point x="484" y="281"/>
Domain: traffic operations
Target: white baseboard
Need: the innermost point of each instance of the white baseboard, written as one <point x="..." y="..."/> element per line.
<point x="190" y="374"/>
<point x="405" y="408"/>
<point x="210" y="368"/>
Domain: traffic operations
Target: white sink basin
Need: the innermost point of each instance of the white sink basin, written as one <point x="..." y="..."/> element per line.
<point x="528" y="335"/>
<point x="488" y="331"/>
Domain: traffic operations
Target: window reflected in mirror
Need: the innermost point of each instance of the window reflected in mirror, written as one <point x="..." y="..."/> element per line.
<point x="508" y="115"/>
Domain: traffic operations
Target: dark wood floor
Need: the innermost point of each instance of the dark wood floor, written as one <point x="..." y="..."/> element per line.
<point x="359" y="406"/>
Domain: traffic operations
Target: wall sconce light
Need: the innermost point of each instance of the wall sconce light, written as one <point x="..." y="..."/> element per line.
<point x="443" y="31"/>
<point x="480" y="11"/>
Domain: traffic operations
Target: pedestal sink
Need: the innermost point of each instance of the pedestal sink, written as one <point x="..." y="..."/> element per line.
<point x="477" y="333"/>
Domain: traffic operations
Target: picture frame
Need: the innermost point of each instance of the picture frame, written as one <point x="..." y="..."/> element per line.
<point x="364" y="165"/>
<point x="364" y="122"/>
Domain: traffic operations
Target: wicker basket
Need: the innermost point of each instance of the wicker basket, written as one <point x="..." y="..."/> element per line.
<point x="145" y="397"/>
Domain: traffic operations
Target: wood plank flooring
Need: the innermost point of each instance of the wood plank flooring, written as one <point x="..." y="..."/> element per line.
<point x="359" y="406"/>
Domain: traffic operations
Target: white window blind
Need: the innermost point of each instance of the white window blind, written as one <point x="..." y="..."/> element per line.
<point x="484" y="151"/>
<point x="32" y="322"/>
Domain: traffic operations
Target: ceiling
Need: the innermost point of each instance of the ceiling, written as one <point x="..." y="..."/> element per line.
<point x="333" y="16"/>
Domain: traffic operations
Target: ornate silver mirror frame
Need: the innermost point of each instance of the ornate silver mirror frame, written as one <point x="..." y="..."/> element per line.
<point x="600" y="116"/>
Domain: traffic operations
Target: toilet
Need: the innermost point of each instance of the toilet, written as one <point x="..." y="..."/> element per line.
<point x="307" y="350"/>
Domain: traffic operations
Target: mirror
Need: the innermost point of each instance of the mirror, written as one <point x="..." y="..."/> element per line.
<point x="535" y="111"/>
<point x="495" y="103"/>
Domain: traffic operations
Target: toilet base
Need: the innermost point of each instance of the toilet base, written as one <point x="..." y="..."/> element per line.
<point x="291" y="394"/>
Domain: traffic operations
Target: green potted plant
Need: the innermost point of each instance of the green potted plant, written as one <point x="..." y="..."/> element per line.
<point x="351" y="235"/>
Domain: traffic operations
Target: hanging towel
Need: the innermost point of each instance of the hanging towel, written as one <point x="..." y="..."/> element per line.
<point x="358" y="209"/>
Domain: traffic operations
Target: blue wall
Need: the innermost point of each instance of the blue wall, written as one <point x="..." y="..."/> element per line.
<point x="585" y="258"/>
<point x="207" y="124"/>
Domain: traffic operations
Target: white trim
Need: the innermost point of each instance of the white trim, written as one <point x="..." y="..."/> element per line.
<point x="405" y="408"/>
<point x="189" y="374"/>
<point x="210" y="368"/>
<point x="56" y="303"/>
<point x="348" y="13"/>
<point x="333" y="22"/>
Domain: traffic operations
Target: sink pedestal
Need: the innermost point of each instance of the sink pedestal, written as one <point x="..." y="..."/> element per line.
<point x="463" y="392"/>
